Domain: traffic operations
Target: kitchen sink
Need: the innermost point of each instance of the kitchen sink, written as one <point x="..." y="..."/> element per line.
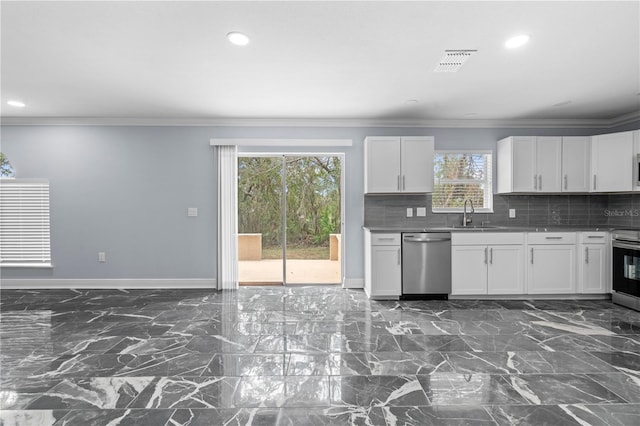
<point x="476" y="227"/>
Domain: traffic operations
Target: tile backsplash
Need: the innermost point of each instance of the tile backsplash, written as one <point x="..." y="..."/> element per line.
<point x="618" y="210"/>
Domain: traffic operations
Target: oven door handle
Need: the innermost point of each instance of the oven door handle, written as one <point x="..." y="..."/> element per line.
<point x="630" y="246"/>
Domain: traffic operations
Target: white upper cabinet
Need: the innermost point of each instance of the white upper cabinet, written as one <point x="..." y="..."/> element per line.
<point x="529" y="164"/>
<point x="576" y="159"/>
<point x="549" y="163"/>
<point x="417" y="164"/>
<point x="382" y="165"/>
<point x="398" y="164"/>
<point x="612" y="162"/>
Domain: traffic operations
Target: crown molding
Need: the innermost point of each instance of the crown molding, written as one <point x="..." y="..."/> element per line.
<point x="319" y="122"/>
<point x="626" y="119"/>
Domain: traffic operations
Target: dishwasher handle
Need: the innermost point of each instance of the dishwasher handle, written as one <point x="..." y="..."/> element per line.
<point x="411" y="239"/>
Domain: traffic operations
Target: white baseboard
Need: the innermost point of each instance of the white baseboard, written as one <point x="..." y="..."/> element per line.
<point x="125" y="283"/>
<point x="354" y="283"/>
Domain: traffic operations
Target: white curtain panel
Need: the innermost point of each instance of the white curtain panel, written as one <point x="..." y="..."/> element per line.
<point x="227" y="217"/>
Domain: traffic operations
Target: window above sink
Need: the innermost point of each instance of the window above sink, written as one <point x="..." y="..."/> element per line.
<point x="462" y="175"/>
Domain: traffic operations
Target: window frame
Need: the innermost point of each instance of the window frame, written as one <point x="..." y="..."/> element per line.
<point x="487" y="182"/>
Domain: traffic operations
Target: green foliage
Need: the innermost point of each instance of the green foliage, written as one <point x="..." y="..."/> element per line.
<point x="6" y="170"/>
<point x="312" y="199"/>
<point x="456" y="179"/>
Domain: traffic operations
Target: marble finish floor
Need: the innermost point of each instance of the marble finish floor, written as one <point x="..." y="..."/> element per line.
<point x="312" y="356"/>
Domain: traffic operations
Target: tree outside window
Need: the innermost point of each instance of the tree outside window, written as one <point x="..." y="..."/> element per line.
<point x="459" y="176"/>
<point x="6" y="170"/>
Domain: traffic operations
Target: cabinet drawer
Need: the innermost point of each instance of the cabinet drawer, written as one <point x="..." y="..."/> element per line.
<point x="385" y="239"/>
<point x="551" y="238"/>
<point x="486" y="238"/>
<point x="594" y="237"/>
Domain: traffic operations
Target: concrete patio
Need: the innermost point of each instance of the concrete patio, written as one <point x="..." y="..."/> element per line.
<point x="299" y="271"/>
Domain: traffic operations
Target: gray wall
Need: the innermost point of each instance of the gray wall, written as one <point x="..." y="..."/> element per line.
<point x="126" y="190"/>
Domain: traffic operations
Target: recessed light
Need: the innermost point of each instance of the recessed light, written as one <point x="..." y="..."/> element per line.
<point x="516" y="41"/>
<point x="411" y="102"/>
<point x="563" y="103"/>
<point x="238" y="39"/>
<point x="16" y="104"/>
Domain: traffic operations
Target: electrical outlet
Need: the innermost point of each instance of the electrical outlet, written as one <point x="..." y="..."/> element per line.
<point x="512" y="213"/>
<point x="421" y="211"/>
<point x="409" y="212"/>
<point x="192" y="211"/>
<point x="102" y="257"/>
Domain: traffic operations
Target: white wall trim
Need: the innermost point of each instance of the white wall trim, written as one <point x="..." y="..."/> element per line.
<point x="354" y="283"/>
<point x="280" y="142"/>
<point x="293" y="122"/>
<point x="124" y="283"/>
<point x="626" y="118"/>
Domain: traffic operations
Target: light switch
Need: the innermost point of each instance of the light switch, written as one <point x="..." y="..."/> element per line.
<point x="512" y="213"/>
<point x="421" y="211"/>
<point x="409" y="212"/>
<point x="192" y="211"/>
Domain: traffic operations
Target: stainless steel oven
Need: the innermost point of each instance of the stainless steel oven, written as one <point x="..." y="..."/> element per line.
<point x="626" y="268"/>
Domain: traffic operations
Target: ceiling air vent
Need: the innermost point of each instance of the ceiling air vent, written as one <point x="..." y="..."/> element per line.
<point x="453" y="60"/>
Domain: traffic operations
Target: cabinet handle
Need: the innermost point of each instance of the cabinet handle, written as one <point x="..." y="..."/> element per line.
<point x="595" y="236"/>
<point x="491" y="255"/>
<point x="385" y="238"/>
<point x="552" y="238"/>
<point x="586" y="255"/>
<point x="532" y="256"/>
<point x="535" y="182"/>
<point x="540" y="182"/>
<point x="399" y="257"/>
<point x="404" y="186"/>
<point x="594" y="182"/>
<point x="485" y="255"/>
<point x="566" y="184"/>
<point x="398" y="182"/>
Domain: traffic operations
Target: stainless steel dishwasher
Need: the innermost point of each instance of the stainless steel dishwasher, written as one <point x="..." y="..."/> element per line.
<point x="426" y="265"/>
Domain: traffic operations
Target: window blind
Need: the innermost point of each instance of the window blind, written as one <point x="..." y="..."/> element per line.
<point x="24" y="223"/>
<point x="460" y="176"/>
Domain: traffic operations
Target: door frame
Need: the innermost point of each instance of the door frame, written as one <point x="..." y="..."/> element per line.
<point x="284" y="154"/>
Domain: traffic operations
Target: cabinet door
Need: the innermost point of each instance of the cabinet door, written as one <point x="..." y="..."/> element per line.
<point x="469" y="270"/>
<point x="386" y="271"/>
<point x="552" y="269"/>
<point x="382" y="165"/>
<point x="548" y="163"/>
<point x="576" y="159"/>
<point x="417" y="164"/>
<point x="506" y="270"/>
<point x="593" y="268"/>
<point x="525" y="177"/>
<point x="612" y="162"/>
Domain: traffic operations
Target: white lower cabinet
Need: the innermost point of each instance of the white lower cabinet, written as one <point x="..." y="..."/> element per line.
<point x="495" y="267"/>
<point x="468" y="270"/>
<point x="506" y="270"/>
<point x="383" y="265"/>
<point x="552" y="263"/>
<point x="594" y="254"/>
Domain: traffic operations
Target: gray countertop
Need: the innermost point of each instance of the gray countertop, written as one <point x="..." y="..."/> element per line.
<point x="458" y="228"/>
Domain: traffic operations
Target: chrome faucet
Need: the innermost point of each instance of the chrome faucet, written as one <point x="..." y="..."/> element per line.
<point x="467" y="220"/>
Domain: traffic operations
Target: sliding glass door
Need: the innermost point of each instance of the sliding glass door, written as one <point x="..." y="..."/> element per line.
<point x="313" y="219"/>
<point x="290" y="219"/>
<point x="260" y="224"/>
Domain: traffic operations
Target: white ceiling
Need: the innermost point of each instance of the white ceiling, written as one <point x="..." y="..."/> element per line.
<point x="318" y="60"/>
